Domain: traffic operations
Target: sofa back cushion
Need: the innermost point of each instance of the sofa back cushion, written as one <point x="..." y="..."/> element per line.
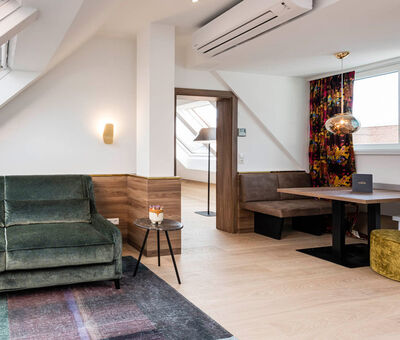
<point x="293" y="180"/>
<point x="259" y="187"/>
<point x="46" y="199"/>
<point x="2" y="223"/>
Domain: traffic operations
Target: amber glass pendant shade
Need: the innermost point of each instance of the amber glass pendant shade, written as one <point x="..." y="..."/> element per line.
<point x="342" y="123"/>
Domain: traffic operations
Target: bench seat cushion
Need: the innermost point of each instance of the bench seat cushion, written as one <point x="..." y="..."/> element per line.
<point x="290" y="208"/>
<point x="56" y="245"/>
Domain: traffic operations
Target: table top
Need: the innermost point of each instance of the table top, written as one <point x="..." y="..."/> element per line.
<point x="346" y="194"/>
<point x="166" y="225"/>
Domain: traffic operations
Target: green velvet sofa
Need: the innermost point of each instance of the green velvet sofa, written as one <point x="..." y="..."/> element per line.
<point x="51" y="233"/>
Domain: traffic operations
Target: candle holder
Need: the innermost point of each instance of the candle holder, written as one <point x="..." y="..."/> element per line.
<point x="156" y="214"/>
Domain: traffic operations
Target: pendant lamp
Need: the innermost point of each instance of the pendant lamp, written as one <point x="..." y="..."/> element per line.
<point x="343" y="123"/>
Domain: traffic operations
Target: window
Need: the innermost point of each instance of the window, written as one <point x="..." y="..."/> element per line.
<point x="4" y="56"/>
<point x="190" y="118"/>
<point x="376" y="105"/>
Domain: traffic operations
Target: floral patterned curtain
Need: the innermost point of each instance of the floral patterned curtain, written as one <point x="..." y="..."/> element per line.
<point x="331" y="156"/>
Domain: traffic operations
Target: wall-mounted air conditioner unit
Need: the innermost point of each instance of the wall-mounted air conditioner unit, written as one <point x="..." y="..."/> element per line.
<point x="246" y="21"/>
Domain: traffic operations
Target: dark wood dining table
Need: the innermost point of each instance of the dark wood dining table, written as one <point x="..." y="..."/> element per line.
<point x="351" y="255"/>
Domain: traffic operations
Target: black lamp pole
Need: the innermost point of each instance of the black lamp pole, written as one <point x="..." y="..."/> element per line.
<point x="207" y="135"/>
<point x="209" y="179"/>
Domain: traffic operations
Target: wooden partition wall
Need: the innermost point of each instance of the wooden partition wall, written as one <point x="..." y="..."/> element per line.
<point x="227" y="108"/>
<point x="128" y="197"/>
<point x="142" y="192"/>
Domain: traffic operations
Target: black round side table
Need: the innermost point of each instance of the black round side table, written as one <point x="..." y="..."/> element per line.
<point x="165" y="226"/>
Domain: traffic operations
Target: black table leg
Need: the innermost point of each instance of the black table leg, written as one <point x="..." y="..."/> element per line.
<point x="141" y="252"/>
<point x="158" y="247"/>
<point x="374" y="218"/>
<point x="338" y="230"/>
<point x="352" y="255"/>
<point x="173" y="258"/>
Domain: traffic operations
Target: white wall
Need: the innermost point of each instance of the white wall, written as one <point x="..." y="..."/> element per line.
<point x="274" y="110"/>
<point x="385" y="168"/>
<point x="55" y="126"/>
<point x="195" y="174"/>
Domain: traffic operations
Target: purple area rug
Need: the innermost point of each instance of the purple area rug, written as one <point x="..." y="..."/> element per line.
<point x="145" y="308"/>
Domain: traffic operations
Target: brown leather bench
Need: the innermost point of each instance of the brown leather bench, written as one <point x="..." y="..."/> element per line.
<point x="258" y="193"/>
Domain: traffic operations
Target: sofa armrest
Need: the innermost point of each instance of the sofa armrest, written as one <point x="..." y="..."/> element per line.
<point x="108" y="229"/>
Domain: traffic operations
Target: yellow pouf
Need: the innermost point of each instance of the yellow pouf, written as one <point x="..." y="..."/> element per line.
<point x="385" y="253"/>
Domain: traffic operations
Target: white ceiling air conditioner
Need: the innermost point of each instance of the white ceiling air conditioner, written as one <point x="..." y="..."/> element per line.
<point x="246" y="21"/>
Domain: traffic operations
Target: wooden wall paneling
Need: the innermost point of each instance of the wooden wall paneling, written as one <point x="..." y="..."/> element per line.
<point x="112" y="200"/>
<point x="227" y="164"/>
<point x="143" y="192"/>
<point x="245" y="219"/>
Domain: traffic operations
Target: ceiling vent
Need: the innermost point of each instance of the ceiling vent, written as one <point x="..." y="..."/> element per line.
<point x="246" y="21"/>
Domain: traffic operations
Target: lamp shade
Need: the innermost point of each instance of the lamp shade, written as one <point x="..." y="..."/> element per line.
<point x="342" y="124"/>
<point x="206" y="135"/>
<point x="108" y="134"/>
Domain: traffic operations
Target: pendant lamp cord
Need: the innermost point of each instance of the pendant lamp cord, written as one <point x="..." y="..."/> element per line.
<point x="342" y="88"/>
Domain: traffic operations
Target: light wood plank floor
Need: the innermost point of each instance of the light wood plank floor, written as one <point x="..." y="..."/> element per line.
<point x="260" y="288"/>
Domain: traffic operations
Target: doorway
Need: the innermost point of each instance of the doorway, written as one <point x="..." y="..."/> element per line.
<point x="193" y="110"/>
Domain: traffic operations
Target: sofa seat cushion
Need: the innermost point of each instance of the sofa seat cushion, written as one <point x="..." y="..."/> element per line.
<point x="56" y="245"/>
<point x="290" y="208"/>
<point x="2" y="250"/>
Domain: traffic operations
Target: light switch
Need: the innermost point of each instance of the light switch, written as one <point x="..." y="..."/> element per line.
<point x="242" y="132"/>
<point x="241" y="158"/>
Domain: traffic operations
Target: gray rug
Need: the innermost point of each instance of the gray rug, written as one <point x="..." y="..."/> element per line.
<point x="173" y="315"/>
<point x="145" y="308"/>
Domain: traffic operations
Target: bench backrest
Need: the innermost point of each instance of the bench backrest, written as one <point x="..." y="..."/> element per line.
<point x="264" y="186"/>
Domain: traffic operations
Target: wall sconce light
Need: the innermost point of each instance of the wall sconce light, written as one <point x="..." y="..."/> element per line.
<point x="108" y="134"/>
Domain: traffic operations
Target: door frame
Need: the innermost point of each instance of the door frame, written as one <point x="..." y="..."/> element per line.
<point x="227" y="106"/>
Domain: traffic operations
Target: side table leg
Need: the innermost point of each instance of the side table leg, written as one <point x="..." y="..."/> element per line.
<point x="173" y="258"/>
<point x="158" y="247"/>
<point x="141" y="252"/>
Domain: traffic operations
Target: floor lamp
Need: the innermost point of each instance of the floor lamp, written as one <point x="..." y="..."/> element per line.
<point x="206" y="136"/>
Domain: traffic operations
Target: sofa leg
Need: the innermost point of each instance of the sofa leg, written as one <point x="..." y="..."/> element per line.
<point x="117" y="284"/>
<point x="267" y="225"/>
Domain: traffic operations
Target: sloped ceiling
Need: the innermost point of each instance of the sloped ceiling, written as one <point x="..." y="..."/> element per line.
<point x="62" y="26"/>
<point x="305" y="46"/>
<point x="129" y="16"/>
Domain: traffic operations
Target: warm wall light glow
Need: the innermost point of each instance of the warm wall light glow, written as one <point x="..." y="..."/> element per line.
<point x="194" y="1"/>
<point x="108" y="133"/>
<point x="101" y="122"/>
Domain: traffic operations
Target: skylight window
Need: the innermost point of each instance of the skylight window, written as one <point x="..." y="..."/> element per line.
<point x="190" y="118"/>
<point x="4" y="56"/>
